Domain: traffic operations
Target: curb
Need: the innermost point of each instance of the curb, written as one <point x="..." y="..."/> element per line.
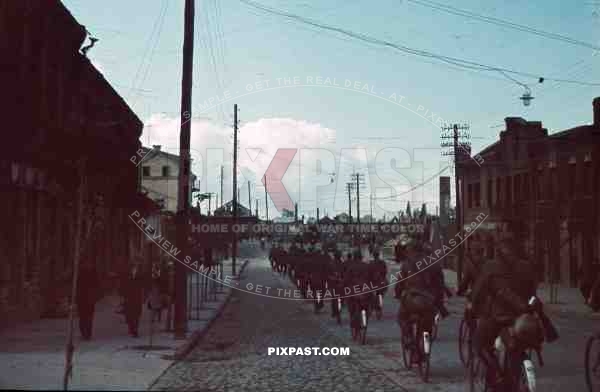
<point x="197" y="335"/>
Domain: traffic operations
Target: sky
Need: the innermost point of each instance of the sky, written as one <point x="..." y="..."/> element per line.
<point x="346" y="105"/>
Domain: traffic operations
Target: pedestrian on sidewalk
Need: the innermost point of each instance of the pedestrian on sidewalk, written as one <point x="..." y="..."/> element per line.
<point x="156" y="300"/>
<point x="123" y="269"/>
<point x="87" y="294"/>
<point x="134" y="298"/>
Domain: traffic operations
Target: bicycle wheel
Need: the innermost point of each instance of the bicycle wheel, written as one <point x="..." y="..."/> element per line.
<point x="464" y="342"/>
<point x="406" y="351"/>
<point x="477" y="376"/>
<point x="363" y="336"/>
<point x="592" y="363"/>
<point x="363" y="327"/>
<point x="526" y="380"/>
<point x="424" y="354"/>
<point x="338" y="311"/>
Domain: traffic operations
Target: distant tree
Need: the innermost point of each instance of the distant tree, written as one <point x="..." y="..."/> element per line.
<point x="408" y="210"/>
<point x="342" y="218"/>
<point x="287" y="213"/>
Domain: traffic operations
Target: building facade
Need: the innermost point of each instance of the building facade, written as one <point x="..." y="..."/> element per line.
<point x="63" y="126"/>
<point x="160" y="177"/>
<point x="544" y="184"/>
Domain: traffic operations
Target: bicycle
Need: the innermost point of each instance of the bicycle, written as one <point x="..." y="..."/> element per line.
<point x="359" y="327"/>
<point x="434" y="328"/>
<point x="465" y="336"/>
<point x="378" y="305"/>
<point x="513" y="348"/>
<point x="592" y="363"/>
<point x="416" y="347"/>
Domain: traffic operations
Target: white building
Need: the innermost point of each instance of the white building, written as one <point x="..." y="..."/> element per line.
<point x="160" y="173"/>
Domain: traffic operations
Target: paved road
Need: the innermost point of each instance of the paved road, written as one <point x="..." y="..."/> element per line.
<point x="233" y="356"/>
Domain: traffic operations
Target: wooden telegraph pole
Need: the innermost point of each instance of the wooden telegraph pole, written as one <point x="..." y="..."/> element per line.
<point x="235" y="188"/>
<point x="183" y="200"/>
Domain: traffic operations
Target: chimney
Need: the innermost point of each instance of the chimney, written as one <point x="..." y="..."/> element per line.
<point x="596" y="105"/>
<point x="156" y="147"/>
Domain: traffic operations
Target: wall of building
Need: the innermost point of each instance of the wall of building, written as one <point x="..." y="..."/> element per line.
<point x="54" y="99"/>
<point x="163" y="187"/>
<point x="545" y="182"/>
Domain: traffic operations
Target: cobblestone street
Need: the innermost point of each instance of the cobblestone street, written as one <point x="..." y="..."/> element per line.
<point x="233" y="355"/>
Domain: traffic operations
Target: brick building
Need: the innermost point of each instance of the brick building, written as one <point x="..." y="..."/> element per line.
<point x="58" y="111"/>
<point x="548" y="183"/>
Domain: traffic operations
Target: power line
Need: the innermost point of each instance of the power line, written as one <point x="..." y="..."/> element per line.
<point x="417" y="52"/>
<point x="154" y="35"/>
<point x="503" y="23"/>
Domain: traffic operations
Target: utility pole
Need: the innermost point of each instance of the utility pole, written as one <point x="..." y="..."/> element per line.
<point x="249" y="200"/>
<point x="296" y="212"/>
<point x="459" y="150"/>
<point x="266" y="198"/>
<point x="349" y="186"/>
<point x="183" y="200"/>
<point x="235" y="188"/>
<point x="221" y="186"/>
<point x="256" y="210"/>
<point x="356" y="177"/>
<point x="70" y="349"/>
<point x="317" y="214"/>
<point x="371" y="205"/>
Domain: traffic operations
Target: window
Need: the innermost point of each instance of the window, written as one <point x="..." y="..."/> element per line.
<point x="588" y="179"/>
<point x="146" y="171"/>
<point x="166" y="172"/>
<point x="572" y="179"/>
<point x="499" y="192"/>
<point x="489" y="194"/>
<point x="470" y="195"/>
<point x="477" y="194"/>
<point x="525" y="186"/>
<point x="538" y="184"/>
<point x="550" y="183"/>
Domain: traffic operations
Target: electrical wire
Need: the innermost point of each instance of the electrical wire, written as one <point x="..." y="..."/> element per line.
<point x="397" y="47"/>
<point x="156" y="41"/>
<point x="502" y="23"/>
<point x="135" y="84"/>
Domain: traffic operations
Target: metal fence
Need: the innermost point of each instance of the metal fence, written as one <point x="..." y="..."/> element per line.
<point x="202" y="289"/>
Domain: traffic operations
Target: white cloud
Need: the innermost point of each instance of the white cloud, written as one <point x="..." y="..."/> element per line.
<point x="210" y="142"/>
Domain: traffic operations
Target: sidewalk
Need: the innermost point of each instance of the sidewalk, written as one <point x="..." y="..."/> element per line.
<point x="570" y="300"/>
<point x="32" y="355"/>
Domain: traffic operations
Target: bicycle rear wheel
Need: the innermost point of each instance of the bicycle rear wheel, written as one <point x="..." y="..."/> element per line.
<point x="406" y="351"/>
<point x="464" y="342"/>
<point x="477" y="376"/>
<point x="592" y="363"/>
<point x="424" y="355"/>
